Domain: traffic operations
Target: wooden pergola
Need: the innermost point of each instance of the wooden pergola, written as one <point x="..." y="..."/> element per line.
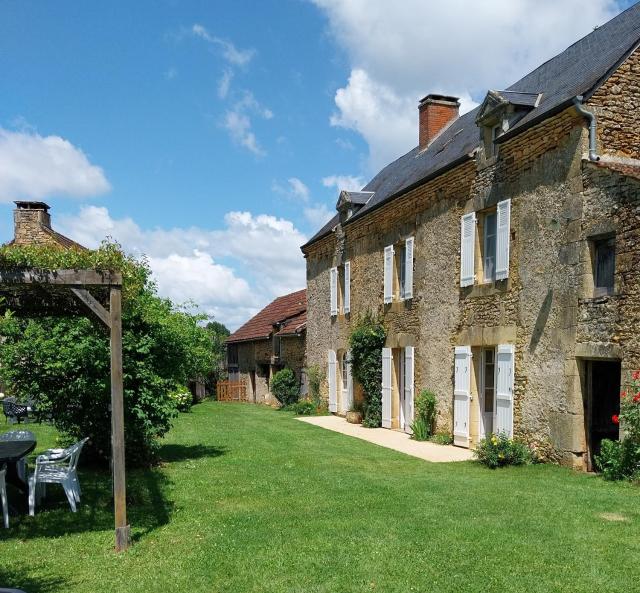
<point x="98" y="294"/>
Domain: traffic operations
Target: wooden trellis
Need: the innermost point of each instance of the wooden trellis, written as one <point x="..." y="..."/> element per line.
<point x="76" y="292"/>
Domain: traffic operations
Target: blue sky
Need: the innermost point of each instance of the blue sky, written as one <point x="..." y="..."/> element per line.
<point x="214" y="136"/>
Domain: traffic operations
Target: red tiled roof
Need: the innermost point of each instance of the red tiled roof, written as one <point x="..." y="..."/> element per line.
<point x="294" y="326"/>
<point x="260" y="326"/>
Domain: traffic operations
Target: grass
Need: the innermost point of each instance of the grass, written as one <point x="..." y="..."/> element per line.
<point x="250" y="500"/>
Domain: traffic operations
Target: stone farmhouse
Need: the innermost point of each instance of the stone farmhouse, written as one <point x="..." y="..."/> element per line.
<point x="503" y="255"/>
<point x="270" y="341"/>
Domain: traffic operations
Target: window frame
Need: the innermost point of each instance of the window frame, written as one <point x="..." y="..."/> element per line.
<point x="608" y="241"/>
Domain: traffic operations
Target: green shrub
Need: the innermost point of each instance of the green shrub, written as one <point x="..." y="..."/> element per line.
<point x="442" y="438"/>
<point x="497" y="450"/>
<point x="619" y="460"/>
<point x="366" y="343"/>
<point x="284" y="386"/>
<point x="304" y="407"/>
<point x="314" y="377"/>
<point x="425" y="410"/>
<point x="182" y="399"/>
<point x="420" y="430"/>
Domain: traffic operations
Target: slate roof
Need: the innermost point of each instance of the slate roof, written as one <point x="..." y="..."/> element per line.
<point x="578" y="70"/>
<point x="260" y="327"/>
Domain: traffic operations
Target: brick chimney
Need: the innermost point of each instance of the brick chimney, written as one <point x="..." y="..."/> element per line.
<point x="436" y="112"/>
<point x="29" y="221"/>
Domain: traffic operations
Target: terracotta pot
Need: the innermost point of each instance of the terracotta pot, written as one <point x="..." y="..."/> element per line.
<point x="354" y="417"/>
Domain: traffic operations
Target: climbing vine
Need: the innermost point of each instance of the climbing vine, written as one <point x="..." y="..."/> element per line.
<point x="366" y="343"/>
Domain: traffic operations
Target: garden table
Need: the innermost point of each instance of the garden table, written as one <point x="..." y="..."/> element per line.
<point x="10" y="453"/>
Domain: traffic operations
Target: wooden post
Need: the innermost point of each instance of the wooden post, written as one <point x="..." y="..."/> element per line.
<point x="117" y="423"/>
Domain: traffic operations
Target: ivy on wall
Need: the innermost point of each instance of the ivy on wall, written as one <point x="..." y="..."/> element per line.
<point x="366" y="343"/>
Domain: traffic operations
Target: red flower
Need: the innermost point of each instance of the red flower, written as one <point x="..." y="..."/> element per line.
<point x="635" y="375"/>
<point x="615" y="419"/>
<point x="636" y="398"/>
<point x="623" y="394"/>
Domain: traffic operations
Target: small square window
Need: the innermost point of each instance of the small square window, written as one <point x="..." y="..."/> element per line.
<point x="604" y="266"/>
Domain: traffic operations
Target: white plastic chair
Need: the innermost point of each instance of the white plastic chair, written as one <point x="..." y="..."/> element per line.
<point x="3" y="498"/>
<point x="19" y="435"/>
<point x="56" y="468"/>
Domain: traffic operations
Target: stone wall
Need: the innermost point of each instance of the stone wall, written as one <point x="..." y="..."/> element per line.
<point x="617" y="107"/>
<point x="32" y="227"/>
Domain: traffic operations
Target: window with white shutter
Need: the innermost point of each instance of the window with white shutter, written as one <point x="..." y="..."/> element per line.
<point x="388" y="274"/>
<point x="347" y="287"/>
<point x="407" y="284"/>
<point x="333" y="285"/>
<point x="467" y="249"/>
<point x="502" y="239"/>
<point x="461" y="395"/>
<point x="504" y="389"/>
<point x="387" y="361"/>
<point x="333" y="392"/>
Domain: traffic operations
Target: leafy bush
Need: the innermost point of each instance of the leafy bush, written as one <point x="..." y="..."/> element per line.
<point x="619" y="460"/>
<point x="442" y="438"/>
<point x="284" y="386"/>
<point x="314" y="377"/>
<point x="425" y="414"/>
<point x="419" y="429"/>
<point x="304" y="407"/>
<point x="498" y="450"/>
<point x="182" y="399"/>
<point x="366" y="343"/>
<point x="65" y="364"/>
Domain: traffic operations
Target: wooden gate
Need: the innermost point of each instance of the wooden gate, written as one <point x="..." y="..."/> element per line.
<point x="232" y="391"/>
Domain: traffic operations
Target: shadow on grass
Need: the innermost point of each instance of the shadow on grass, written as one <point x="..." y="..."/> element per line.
<point x="147" y="507"/>
<point x="173" y="453"/>
<point x="20" y="579"/>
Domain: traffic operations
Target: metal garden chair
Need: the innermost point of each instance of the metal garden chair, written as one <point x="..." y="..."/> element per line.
<point x="56" y="467"/>
<point x="19" y="435"/>
<point x="3" y="498"/>
<point x="13" y="411"/>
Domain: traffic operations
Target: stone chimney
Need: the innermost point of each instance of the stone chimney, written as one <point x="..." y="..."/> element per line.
<point x="31" y="221"/>
<point x="436" y="113"/>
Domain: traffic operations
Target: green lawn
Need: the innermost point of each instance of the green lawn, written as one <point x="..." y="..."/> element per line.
<point x="250" y="500"/>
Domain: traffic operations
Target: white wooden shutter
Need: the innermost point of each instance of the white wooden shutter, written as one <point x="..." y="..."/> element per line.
<point x="504" y="389"/>
<point x="333" y="396"/>
<point x="388" y="274"/>
<point x="461" y="395"/>
<point x="334" y="290"/>
<point x="387" y="361"/>
<point x="408" y="269"/>
<point x="502" y="240"/>
<point x="409" y="372"/>
<point x="467" y="249"/>
<point x="349" y="402"/>
<point x="347" y="287"/>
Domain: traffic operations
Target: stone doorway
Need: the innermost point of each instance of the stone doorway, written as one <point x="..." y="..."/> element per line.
<point x="602" y="402"/>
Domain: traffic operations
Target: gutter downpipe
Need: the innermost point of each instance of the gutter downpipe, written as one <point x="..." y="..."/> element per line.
<point x="593" y="126"/>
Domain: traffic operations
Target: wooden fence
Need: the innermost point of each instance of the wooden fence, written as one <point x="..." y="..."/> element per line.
<point x="232" y="391"/>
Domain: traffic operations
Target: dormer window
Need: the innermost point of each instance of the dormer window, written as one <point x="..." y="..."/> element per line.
<point x="499" y="111"/>
<point x="350" y="202"/>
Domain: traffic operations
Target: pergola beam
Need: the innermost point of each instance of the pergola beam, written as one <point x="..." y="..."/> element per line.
<point x="87" y="299"/>
<point x="60" y="278"/>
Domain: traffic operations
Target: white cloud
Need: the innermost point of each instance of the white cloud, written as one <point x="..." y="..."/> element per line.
<point x="233" y="55"/>
<point x="239" y="127"/>
<point x="399" y="52"/>
<point x="295" y="189"/>
<point x="224" y="83"/>
<point x="34" y="166"/>
<point x="230" y="272"/>
<point x="344" y="182"/>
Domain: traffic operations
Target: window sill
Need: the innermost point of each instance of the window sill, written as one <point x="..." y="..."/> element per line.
<point x="486" y="289"/>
